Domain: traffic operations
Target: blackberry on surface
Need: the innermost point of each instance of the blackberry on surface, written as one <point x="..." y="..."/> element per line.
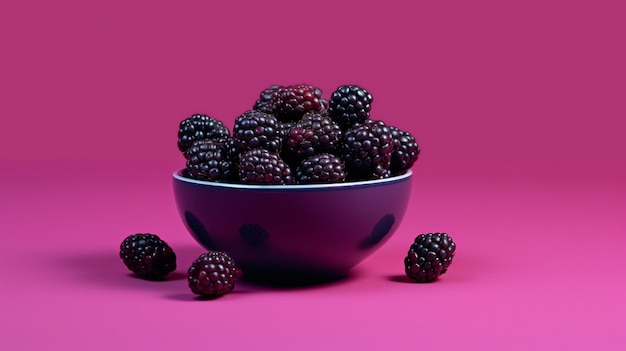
<point x="147" y="256"/>
<point x="209" y="160"/>
<point x="255" y="129"/>
<point x="199" y="126"/>
<point x="366" y="150"/>
<point x="212" y="275"/>
<point x="429" y="257"/>
<point x="321" y="168"/>
<point x="350" y="104"/>
<point x="405" y="151"/>
<point x="260" y="166"/>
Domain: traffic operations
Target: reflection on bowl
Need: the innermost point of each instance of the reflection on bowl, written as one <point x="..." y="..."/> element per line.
<point x="313" y="232"/>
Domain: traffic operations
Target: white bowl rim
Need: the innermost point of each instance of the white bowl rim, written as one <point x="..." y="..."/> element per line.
<point x="365" y="183"/>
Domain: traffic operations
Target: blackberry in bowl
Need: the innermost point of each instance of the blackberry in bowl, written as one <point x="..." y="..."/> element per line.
<point x="303" y="232"/>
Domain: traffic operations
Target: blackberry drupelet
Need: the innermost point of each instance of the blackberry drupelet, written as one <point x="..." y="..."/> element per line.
<point x="405" y="151"/>
<point x="429" y="257"/>
<point x="212" y="275"/>
<point x="321" y="168"/>
<point x="268" y="99"/>
<point x="366" y="150"/>
<point x="147" y="256"/>
<point x="260" y="166"/>
<point x="199" y="127"/>
<point x="350" y="104"/>
<point x="255" y="129"/>
<point x="209" y="159"/>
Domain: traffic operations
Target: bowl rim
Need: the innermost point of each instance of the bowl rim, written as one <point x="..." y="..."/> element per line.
<point x="178" y="175"/>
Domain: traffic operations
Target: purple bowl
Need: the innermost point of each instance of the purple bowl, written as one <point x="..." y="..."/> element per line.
<point x="313" y="232"/>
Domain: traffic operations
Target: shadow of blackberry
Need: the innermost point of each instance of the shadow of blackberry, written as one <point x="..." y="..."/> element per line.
<point x="380" y="230"/>
<point x="200" y="231"/>
<point x="104" y="268"/>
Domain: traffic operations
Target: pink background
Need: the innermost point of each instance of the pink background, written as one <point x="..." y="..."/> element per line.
<point x="518" y="107"/>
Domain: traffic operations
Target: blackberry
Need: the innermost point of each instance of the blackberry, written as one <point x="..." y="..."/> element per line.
<point x="255" y="129"/>
<point x="366" y="150"/>
<point x="212" y="275"/>
<point x="199" y="127"/>
<point x="327" y="131"/>
<point x="321" y="168"/>
<point x="350" y="104"/>
<point x="293" y="101"/>
<point x="300" y="143"/>
<point x="405" y="151"/>
<point x="429" y="257"/>
<point x="209" y="159"/>
<point x="268" y="99"/>
<point x="260" y="166"/>
<point x="312" y="134"/>
<point x="147" y="256"/>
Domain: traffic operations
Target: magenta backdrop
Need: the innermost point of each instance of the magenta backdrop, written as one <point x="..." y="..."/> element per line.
<point x="518" y="107"/>
<point x="499" y="82"/>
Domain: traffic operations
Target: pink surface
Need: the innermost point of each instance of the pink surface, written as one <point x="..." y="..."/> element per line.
<point x="516" y="105"/>
<point x="539" y="265"/>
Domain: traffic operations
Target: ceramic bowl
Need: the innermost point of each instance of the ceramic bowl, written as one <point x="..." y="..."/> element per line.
<point x="286" y="231"/>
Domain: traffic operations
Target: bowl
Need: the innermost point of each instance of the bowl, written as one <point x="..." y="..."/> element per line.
<point x="312" y="232"/>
